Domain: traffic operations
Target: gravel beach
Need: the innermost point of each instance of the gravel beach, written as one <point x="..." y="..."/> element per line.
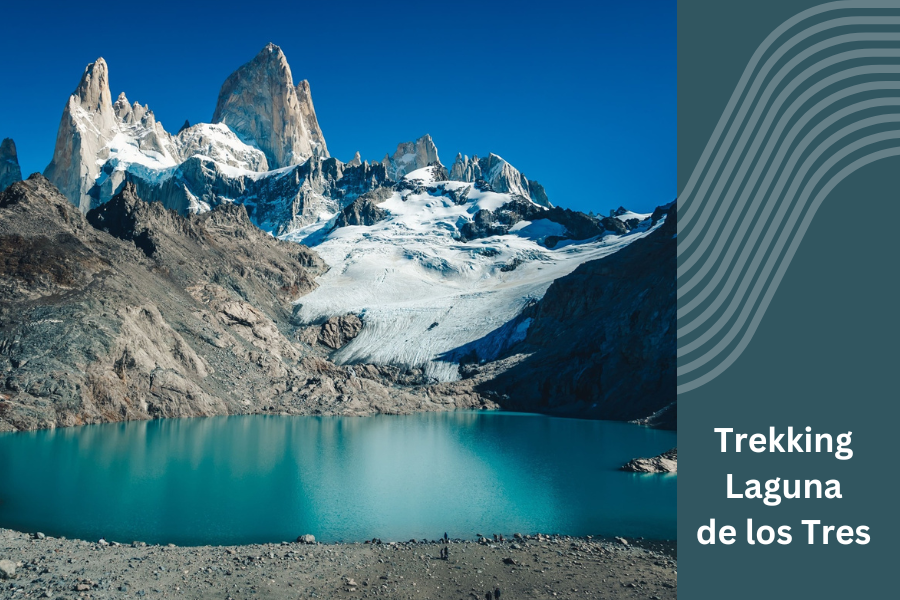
<point x="519" y="567"/>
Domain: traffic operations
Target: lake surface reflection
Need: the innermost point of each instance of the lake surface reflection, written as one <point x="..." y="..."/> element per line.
<point x="249" y="479"/>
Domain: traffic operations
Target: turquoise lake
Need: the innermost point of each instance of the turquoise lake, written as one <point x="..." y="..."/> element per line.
<point x="252" y="479"/>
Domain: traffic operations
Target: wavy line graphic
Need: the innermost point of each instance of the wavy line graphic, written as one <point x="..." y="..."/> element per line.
<point x="818" y="100"/>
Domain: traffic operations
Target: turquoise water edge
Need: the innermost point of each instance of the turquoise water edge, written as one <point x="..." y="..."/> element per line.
<point x="253" y="479"/>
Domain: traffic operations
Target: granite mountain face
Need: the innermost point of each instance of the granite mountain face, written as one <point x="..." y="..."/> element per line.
<point x="235" y="266"/>
<point x="260" y="103"/>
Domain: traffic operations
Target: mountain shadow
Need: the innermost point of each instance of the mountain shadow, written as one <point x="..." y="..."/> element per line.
<point x="601" y="342"/>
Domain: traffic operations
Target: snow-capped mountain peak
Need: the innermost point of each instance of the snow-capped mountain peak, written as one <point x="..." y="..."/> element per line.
<point x="499" y="175"/>
<point x="411" y="156"/>
<point x="627" y="216"/>
<point x="92" y="94"/>
<point x="93" y="130"/>
<point x="260" y="103"/>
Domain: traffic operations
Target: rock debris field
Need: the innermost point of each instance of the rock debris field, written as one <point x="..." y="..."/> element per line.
<point x="539" y="566"/>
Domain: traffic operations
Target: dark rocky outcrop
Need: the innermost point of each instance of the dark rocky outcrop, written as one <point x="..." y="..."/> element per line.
<point x="281" y="203"/>
<point x="136" y="312"/>
<point x="9" y="164"/>
<point x="127" y="217"/>
<point x="486" y="223"/>
<point x="335" y="333"/>
<point x="578" y="225"/>
<point x="458" y="195"/>
<point x="601" y="342"/>
<point x="667" y="462"/>
<point x="364" y="210"/>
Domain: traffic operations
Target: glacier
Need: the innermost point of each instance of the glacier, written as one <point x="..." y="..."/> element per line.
<point x="422" y="293"/>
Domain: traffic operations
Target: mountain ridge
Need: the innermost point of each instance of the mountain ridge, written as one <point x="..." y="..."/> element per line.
<point x="263" y="128"/>
<point x="136" y="312"/>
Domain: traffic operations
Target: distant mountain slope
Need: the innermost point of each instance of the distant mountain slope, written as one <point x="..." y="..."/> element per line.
<point x="601" y="342"/>
<point x="9" y="164"/>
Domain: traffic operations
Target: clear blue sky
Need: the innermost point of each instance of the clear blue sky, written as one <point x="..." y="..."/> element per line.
<point x="577" y="95"/>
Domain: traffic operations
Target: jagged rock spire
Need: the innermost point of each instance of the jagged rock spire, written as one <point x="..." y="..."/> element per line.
<point x="74" y="166"/>
<point x="465" y="169"/>
<point x="411" y="156"/>
<point x="260" y="103"/>
<point x="92" y="93"/>
<point x="88" y="134"/>
<point x="500" y="175"/>
<point x="9" y="164"/>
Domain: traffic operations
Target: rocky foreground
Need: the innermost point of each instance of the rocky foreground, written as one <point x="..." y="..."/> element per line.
<point x="521" y="568"/>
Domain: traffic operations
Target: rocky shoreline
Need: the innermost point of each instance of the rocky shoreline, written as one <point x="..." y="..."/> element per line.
<point x="522" y="567"/>
<point x="667" y="462"/>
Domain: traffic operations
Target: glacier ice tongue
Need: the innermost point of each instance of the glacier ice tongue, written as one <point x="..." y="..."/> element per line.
<point x="422" y="293"/>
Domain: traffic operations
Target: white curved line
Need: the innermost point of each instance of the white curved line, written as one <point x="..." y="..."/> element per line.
<point x="779" y="275"/>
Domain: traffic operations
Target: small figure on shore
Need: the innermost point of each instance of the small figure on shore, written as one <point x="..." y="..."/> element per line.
<point x="497" y="594"/>
<point x="489" y="596"/>
<point x="445" y="553"/>
<point x="446" y="538"/>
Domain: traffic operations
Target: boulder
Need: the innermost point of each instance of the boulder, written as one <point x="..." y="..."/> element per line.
<point x="7" y="569"/>
<point x="338" y="331"/>
<point x="364" y="210"/>
<point x="667" y="462"/>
